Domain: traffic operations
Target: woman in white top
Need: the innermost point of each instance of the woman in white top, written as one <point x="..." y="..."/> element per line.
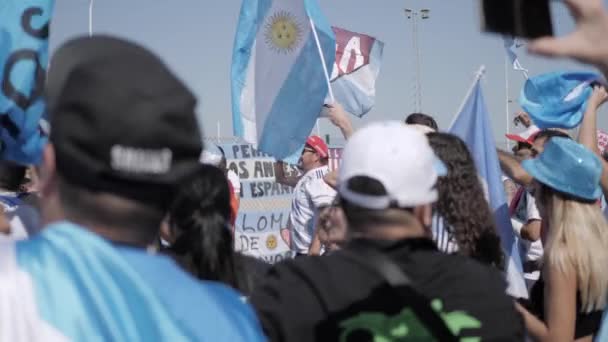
<point x="463" y="222"/>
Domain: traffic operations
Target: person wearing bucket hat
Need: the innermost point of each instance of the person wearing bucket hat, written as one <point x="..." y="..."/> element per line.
<point x="568" y="300"/>
<point x="587" y="44"/>
<point x="511" y="165"/>
<point x="557" y="99"/>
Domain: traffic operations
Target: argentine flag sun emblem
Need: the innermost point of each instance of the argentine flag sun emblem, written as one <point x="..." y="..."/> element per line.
<point x="283" y="32"/>
<point x="278" y="82"/>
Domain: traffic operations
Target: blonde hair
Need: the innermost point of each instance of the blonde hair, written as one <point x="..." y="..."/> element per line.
<point x="578" y="241"/>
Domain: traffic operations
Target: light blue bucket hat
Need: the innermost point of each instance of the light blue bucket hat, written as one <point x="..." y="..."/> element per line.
<point x="557" y="99"/>
<point x="567" y="167"/>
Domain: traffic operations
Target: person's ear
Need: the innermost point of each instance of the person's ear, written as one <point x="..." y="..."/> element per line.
<point x="166" y="233"/>
<point x="48" y="172"/>
<point x="424" y="215"/>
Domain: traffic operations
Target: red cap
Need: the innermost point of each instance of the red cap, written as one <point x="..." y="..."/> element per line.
<point x="518" y="138"/>
<point x="318" y="145"/>
<point x="528" y="136"/>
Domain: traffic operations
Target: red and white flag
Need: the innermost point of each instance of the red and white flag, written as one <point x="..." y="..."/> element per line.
<point x="353" y="79"/>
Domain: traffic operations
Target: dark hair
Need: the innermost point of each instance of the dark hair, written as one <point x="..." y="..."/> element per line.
<point x="12" y="176"/>
<point x="200" y="214"/>
<point x="421" y="119"/>
<point x="462" y="204"/>
<point x="223" y="164"/>
<point x="551" y="133"/>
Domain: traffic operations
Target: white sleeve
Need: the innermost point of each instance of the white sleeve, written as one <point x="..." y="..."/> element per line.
<point x="321" y="194"/>
<point x="484" y="188"/>
<point x="517" y="225"/>
<point x="531" y="208"/>
<point x="235" y="181"/>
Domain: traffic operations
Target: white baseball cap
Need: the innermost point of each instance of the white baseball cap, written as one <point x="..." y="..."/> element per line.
<point x="397" y="156"/>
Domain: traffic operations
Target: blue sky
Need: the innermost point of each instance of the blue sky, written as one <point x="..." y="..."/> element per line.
<point x="195" y="38"/>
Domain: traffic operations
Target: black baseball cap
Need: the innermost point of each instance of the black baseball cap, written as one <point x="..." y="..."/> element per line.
<point x="121" y="121"/>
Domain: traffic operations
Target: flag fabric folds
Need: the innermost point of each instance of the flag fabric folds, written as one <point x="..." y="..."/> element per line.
<point x="472" y="124"/>
<point x="69" y="284"/>
<point x="358" y="62"/>
<point x="510" y="46"/>
<point x="278" y="81"/>
<point x="24" y="38"/>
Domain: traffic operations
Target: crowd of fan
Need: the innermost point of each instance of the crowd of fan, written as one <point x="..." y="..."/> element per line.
<point x="398" y="244"/>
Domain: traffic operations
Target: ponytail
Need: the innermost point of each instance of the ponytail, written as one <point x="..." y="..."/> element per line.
<point x="199" y="216"/>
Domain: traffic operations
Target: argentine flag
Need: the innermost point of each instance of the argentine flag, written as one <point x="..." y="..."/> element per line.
<point x="278" y="81"/>
<point x="472" y="125"/>
<point x="69" y="284"/>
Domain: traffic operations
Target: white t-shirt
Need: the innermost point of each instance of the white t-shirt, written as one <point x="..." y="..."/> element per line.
<point x="310" y="193"/>
<point x="532" y="251"/>
<point x="235" y="181"/>
<point x="445" y="241"/>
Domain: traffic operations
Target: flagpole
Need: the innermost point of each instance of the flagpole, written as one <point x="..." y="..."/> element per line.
<point x="314" y="32"/>
<point x="91" y="17"/>
<point x="478" y="75"/>
<point x="218" y="132"/>
<point x="507" y="99"/>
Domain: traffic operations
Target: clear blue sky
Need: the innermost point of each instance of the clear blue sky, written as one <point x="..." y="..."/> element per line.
<point x="195" y="38"/>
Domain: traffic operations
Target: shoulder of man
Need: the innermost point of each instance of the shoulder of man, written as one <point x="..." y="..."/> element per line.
<point x="288" y="300"/>
<point x="479" y="292"/>
<point x="320" y="192"/>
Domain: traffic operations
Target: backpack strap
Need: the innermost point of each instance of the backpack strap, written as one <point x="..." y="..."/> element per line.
<point x="392" y="273"/>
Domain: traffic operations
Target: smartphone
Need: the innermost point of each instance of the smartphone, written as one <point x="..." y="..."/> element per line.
<point x="519" y="18"/>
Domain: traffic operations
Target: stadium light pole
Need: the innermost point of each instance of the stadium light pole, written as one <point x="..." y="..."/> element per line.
<point x="414" y="16"/>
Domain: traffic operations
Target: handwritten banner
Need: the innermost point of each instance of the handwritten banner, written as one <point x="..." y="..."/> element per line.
<point x="261" y="226"/>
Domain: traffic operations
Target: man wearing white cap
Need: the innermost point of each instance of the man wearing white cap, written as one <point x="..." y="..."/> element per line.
<point x="389" y="282"/>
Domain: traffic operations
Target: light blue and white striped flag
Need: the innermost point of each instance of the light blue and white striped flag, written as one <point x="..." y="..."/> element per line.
<point x="278" y="81"/>
<point x="69" y="284"/>
<point x="472" y="124"/>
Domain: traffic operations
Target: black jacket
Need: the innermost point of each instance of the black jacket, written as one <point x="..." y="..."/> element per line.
<point x="336" y="298"/>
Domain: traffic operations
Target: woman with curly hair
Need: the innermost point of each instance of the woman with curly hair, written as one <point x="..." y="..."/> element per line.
<point x="463" y="222"/>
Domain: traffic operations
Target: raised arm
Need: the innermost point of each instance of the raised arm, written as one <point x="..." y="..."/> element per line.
<point x="339" y="117"/>
<point x="513" y="169"/>
<point x="588" y="131"/>
<point x="281" y="178"/>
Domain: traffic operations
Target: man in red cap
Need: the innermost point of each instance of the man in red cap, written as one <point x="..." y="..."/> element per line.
<point x="310" y="193"/>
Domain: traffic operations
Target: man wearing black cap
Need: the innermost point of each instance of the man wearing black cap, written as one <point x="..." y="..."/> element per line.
<point x="123" y="135"/>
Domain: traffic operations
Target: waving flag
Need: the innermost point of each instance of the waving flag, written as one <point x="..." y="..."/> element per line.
<point x="472" y="124"/>
<point x="510" y="46"/>
<point x="358" y="61"/>
<point x="278" y="82"/>
<point x="68" y="284"/>
<point x="24" y="34"/>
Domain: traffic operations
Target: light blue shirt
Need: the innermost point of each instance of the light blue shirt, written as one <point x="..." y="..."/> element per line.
<point x="88" y="289"/>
